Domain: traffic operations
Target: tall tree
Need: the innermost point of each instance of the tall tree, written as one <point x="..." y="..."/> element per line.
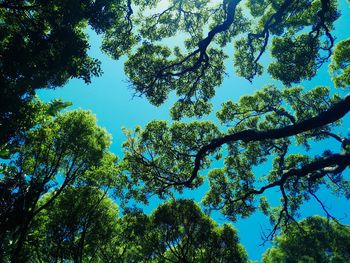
<point x="165" y="157"/>
<point x="314" y="239"/>
<point x="43" y="44"/>
<point x="177" y="231"/>
<point x="62" y="151"/>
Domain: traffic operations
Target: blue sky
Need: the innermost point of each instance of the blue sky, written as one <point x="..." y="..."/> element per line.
<point x="111" y="99"/>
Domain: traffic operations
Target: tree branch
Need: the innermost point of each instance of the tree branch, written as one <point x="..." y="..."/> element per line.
<point x="334" y="113"/>
<point x="203" y="44"/>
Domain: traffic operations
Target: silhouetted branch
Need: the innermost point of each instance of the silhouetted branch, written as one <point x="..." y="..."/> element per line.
<point x="265" y="34"/>
<point x="334" y="113"/>
<point x="203" y="44"/>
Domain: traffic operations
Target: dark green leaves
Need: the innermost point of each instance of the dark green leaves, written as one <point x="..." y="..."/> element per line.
<point x="155" y="71"/>
<point x="315" y="239"/>
<point x="163" y="159"/>
<point x="181" y="232"/>
<point x="161" y="156"/>
<point x="43" y="44"/>
<point x="295" y="58"/>
<point x="195" y="67"/>
<point x="57" y="153"/>
<point x="340" y="65"/>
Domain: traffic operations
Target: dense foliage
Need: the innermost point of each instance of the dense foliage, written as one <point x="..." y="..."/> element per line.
<point x="59" y="152"/>
<point x="59" y="182"/>
<point x="78" y="223"/>
<point x="299" y="32"/>
<point x="180" y="232"/>
<point x="315" y="239"/>
<point x="83" y="226"/>
<point x="278" y="125"/>
<point x="42" y="45"/>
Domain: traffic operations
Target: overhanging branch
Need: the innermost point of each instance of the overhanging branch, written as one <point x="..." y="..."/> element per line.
<point x="204" y="43"/>
<point x="334" y="113"/>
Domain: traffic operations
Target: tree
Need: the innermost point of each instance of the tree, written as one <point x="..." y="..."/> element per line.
<point x="180" y="232"/>
<point x="73" y="227"/>
<point x="43" y="44"/>
<point x="62" y="151"/>
<point x="300" y="32"/>
<point x="264" y="127"/>
<point x="177" y="231"/>
<point x="32" y="113"/>
<point x="82" y="225"/>
<point x="314" y="239"/>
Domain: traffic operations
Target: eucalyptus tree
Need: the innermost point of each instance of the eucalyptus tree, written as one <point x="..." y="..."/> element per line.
<point x="262" y="128"/>
<point x="62" y="151"/>
<point x="314" y="239"/>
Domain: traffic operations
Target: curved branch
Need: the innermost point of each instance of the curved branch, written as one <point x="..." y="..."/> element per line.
<point x="334" y="113"/>
<point x="204" y="43"/>
<point x="265" y="33"/>
<point x="325" y="8"/>
<point x="340" y="160"/>
<point x="129" y="13"/>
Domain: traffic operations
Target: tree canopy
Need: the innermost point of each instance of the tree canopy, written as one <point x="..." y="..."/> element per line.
<point x="62" y="151"/>
<point x="180" y="232"/>
<point x="59" y="182"/>
<point x="77" y="224"/>
<point x="315" y="239"/>
<point x="43" y="44"/>
<point x="264" y="127"/>
<point x="164" y="157"/>
<point x="298" y="34"/>
<point x="82" y="225"/>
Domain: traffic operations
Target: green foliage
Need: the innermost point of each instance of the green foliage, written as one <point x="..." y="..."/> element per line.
<point x="82" y="225"/>
<point x="43" y="44"/>
<point x="339" y="66"/>
<point x="127" y="243"/>
<point x="161" y="158"/>
<point x="315" y="239"/>
<point x="160" y="148"/>
<point x="295" y="56"/>
<point x="298" y="33"/>
<point x="155" y="71"/>
<point x="55" y="154"/>
<point x="54" y="184"/>
<point x="180" y="232"/>
<point x="75" y="225"/>
<point x="30" y="114"/>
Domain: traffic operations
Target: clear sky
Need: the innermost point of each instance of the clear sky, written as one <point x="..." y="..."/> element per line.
<point x="110" y="98"/>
